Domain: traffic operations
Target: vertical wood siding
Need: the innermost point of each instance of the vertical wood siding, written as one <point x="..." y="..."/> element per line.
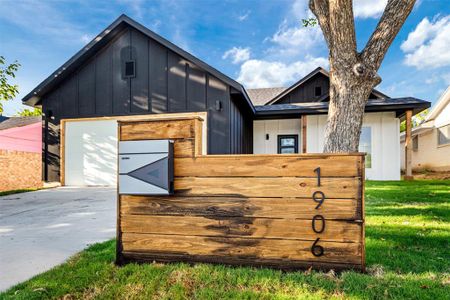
<point x="164" y="83"/>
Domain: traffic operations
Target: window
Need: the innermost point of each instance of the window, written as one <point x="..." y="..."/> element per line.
<point x="130" y="69"/>
<point x="287" y="144"/>
<point x="365" y="145"/>
<point x="415" y="143"/>
<point x="443" y="135"/>
<point x="318" y="91"/>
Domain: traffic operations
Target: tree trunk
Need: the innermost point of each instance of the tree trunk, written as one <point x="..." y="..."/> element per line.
<point x="348" y="96"/>
<point x="353" y="74"/>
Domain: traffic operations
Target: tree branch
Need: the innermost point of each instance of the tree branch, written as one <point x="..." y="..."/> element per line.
<point x="342" y="25"/>
<point x="394" y="16"/>
<point x="320" y="8"/>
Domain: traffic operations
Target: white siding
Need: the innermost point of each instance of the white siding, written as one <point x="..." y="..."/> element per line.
<point x="429" y="154"/>
<point x="274" y="128"/>
<point x="385" y="140"/>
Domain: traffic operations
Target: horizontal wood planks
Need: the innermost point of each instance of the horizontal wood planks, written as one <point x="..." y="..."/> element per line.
<point x="274" y="165"/>
<point x="266" y="186"/>
<point x="248" y="227"/>
<point x="239" y="207"/>
<point x="283" y="211"/>
<point x="283" y="249"/>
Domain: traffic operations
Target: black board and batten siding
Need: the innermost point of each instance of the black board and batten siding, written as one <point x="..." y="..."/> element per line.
<point x="164" y="82"/>
<point x="315" y="89"/>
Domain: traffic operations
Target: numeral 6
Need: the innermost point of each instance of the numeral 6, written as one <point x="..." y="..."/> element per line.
<point x="317" y="250"/>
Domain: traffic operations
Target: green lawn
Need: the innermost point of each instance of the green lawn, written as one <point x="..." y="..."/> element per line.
<point x="408" y="257"/>
<point x="11" y="192"/>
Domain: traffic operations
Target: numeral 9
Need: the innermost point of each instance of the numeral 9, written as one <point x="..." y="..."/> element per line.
<point x="318" y="197"/>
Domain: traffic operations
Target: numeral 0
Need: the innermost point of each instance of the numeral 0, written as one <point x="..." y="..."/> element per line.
<point x="317" y="250"/>
<point x="322" y="219"/>
<point x="318" y="197"/>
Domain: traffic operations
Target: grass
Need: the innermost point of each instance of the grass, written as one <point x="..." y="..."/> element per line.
<point x="408" y="257"/>
<point x="11" y="192"/>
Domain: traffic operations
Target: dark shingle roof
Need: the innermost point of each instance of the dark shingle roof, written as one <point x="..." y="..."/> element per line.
<point x="398" y="105"/>
<point x="263" y="95"/>
<point x="19" y="122"/>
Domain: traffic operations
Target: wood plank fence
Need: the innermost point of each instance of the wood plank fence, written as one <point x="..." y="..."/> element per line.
<point x="282" y="211"/>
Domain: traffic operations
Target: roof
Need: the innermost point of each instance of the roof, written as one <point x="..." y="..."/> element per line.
<point x="399" y="105"/>
<point x="19" y="122"/>
<point x="316" y="71"/>
<point x="3" y="118"/>
<point x="33" y="98"/>
<point x="442" y="103"/>
<point x="263" y="95"/>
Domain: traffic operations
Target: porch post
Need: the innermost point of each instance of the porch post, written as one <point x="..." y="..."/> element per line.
<point x="408" y="147"/>
<point x="304" y="121"/>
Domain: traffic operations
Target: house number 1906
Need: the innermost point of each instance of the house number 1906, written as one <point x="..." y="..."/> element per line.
<point x="319" y="198"/>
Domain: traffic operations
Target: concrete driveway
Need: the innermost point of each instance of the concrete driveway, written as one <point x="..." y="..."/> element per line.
<point x="39" y="230"/>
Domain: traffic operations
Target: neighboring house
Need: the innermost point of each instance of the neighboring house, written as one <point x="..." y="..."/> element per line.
<point x="20" y="153"/>
<point x="128" y="71"/>
<point x="431" y="139"/>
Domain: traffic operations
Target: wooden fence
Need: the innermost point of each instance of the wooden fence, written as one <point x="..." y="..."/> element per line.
<point x="283" y="211"/>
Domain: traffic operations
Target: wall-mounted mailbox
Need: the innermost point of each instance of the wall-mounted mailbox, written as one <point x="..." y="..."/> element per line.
<point x="146" y="167"/>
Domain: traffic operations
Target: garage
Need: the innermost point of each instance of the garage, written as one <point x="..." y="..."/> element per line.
<point x="90" y="153"/>
<point x="89" y="147"/>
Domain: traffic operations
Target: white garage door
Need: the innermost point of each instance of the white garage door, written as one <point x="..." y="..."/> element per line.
<point x="90" y="152"/>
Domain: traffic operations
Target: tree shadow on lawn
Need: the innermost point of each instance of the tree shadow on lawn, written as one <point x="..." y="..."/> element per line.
<point x="401" y="192"/>
<point x="403" y="249"/>
<point x="427" y="212"/>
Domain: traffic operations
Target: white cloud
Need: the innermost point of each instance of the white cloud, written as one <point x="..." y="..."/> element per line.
<point x="293" y="51"/>
<point x="244" y="16"/>
<point x="294" y="40"/>
<point x="85" y="38"/>
<point x="237" y="55"/>
<point x="256" y="73"/>
<point x="428" y="46"/>
<point x="368" y="8"/>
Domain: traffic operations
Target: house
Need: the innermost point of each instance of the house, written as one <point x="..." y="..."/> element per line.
<point x="431" y="139"/>
<point x="21" y="134"/>
<point x="128" y="71"/>
<point x="20" y="153"/>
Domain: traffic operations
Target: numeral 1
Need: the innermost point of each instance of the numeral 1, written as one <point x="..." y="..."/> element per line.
<point x="317" y="170"/>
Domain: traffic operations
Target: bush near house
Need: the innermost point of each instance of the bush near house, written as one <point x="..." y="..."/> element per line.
<point x="407" y="240"/>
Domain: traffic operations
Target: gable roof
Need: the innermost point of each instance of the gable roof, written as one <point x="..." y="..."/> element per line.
<point x="442" y="103"/>
<point x="34" y="97"/>
<point x="262" y="95"/>
<point x="398" y="105"/>
<point x="318" y="70"/>
<point x="19" y="122"/>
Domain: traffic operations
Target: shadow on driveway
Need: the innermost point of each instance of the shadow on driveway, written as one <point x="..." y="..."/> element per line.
<point x="41" y="229"/>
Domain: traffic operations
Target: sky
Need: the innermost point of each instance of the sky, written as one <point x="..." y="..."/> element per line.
<point x="258" y="43"/>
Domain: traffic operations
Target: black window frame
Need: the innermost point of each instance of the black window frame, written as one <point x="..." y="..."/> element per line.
<point x="130" y="61"/>
<point x="288" y="136"/>
<point x="317" y="88"/>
